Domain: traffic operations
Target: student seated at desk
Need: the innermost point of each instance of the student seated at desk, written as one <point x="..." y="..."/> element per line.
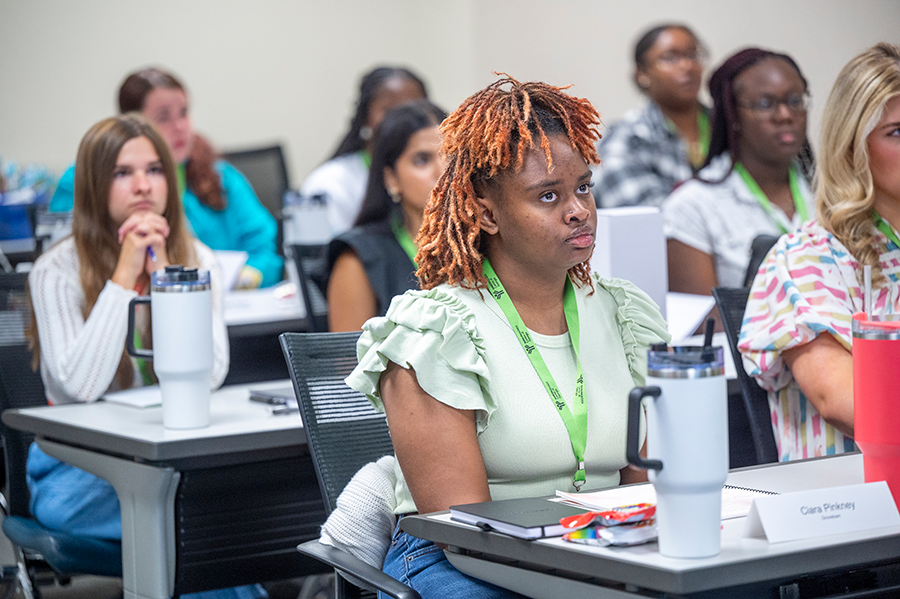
<point x="375" y="260"/>
<point x="796" y="339"/>
<point x="653" y="148"/>
<point x="341" y="181"/>
<point x="221" y="206"/>
<point x="459" y="367"/>
<point x="126" y="203"/>
<point x="754" y="179"/>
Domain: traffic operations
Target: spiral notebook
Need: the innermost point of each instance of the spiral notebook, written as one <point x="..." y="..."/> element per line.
<point x="736" y="501"/>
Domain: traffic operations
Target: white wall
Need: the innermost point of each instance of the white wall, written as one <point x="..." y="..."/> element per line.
<point x="283" y="70"/>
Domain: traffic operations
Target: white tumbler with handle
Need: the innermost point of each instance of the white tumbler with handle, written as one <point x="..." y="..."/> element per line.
<point x="181" y="313"/>
<point x="687" y="445"/>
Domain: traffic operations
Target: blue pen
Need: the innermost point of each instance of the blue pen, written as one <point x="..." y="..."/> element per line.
<point x="151" y="253"/>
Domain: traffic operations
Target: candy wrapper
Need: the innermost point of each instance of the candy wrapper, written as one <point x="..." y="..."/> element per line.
<point x="623" y="535"/>
<point x="626" y="514"/>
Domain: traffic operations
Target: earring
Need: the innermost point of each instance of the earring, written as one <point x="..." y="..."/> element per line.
<point x="395" y="195"/>
<point x="365" y="133"/>
<point x="644" y="82"/>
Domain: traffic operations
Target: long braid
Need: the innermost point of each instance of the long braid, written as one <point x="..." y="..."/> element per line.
<point x="489" y="133"/>
<point x="724" y="134"/>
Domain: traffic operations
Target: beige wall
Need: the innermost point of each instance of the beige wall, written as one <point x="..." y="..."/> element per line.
<point x="280" y="70"/>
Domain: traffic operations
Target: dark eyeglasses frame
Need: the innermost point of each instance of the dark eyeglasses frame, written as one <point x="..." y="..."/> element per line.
<point x="795" y="103"/>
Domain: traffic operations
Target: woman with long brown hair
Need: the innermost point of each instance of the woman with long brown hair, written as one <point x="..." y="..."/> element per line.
<point x="221" y="206"/>
<point x="504" y="272"/>
<point x="127" y="223"/>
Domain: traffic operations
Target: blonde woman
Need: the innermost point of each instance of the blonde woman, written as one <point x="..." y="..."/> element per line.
<point x="796" y="337"/>
<point x="127" y="211"/>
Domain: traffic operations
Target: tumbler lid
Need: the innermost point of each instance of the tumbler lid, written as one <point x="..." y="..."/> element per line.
<point x="178" y="279"/>
<point x="685" y="362"/>
<point x="881" y="326"/>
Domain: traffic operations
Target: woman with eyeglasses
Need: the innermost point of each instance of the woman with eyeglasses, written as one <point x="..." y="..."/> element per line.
<point x="755" y="178"/>
<point x="798" y="345"/>
<point x="654" y="148"/>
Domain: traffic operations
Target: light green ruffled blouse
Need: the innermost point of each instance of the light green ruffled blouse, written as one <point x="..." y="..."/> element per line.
<point x="466" y="355"/>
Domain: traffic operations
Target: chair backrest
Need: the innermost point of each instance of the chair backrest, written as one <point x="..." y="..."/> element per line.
<point x="758" y="251"/>
<point x="731" y="303"/>
<point x="20" y="386"/>
<point x="311" y="264"/>
<point x="266" y="170"/>
<point x="343" y="431"/>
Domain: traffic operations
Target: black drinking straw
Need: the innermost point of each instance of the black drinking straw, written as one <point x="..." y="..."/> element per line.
<point x="707" y="355"/>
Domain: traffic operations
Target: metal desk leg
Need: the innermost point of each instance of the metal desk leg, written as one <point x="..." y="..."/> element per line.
<point x="147" y="497"/>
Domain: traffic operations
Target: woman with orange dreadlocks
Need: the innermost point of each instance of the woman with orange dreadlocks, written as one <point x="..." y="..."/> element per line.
<point x="462" y="367"/>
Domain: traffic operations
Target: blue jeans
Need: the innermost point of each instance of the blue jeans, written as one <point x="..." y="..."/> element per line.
<point x="67" y="498"/>
<point x="422" y="565"/>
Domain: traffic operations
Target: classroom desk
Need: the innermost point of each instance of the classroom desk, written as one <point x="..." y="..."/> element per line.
<point x="552" y="568"/>
<point x="231" y="501"/>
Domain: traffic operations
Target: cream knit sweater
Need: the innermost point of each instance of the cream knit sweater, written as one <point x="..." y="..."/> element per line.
<point x="79" y="356"/>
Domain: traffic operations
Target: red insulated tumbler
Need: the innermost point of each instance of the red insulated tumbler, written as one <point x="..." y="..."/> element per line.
<point x="876" y="396"/>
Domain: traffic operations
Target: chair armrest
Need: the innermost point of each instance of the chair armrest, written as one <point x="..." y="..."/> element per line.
<point x="354" y="567"/>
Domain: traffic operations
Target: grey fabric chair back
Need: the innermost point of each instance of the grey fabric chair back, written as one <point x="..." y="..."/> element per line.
<point x="731" y="303"/>
<point x="266" y="170"/>
<point x="343" y="431"/>
<point x="312" y="266"/>
<point x="20" y="386"/>
<point x="759" y="249"/>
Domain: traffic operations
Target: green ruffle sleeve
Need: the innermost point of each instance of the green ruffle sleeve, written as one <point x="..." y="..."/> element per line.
<point x="433" y="333"/>
<point x="640" y="323"/>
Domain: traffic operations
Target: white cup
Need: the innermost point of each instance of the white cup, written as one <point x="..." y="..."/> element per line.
<point x="181" y="311"/>
<point x="687" y="446"/>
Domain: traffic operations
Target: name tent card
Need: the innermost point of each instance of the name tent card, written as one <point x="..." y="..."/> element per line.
<point x="821" y="512"/>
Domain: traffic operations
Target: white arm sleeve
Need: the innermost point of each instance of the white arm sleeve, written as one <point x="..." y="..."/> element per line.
<point x="221" y="355"/>
<point x="79" y="356"/>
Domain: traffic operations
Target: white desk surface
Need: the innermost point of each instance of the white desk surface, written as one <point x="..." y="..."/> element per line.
<point x="644" y="566"/>
<point x="269" y="304"/>
<point x="236" y="424"/>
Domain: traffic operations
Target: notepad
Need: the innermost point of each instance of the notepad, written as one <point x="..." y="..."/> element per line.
<point x="139" y="397"/>
<point x="736" y="501"/>
<point x="530" y="518"/>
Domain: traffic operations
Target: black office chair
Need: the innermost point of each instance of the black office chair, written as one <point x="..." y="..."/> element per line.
<point x="344" y="433"/>
<point x="311" y="265"/>
<point x="731" y="303"/>
<point x="41" y="554"/>
<point x="266" y="170"/>
<point x="759" y="249"/>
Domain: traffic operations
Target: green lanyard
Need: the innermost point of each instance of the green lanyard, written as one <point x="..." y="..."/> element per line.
<point x="405" y="241"/>
<point x="576" y="423"/>
<point x="181" y="176"/>
<point x="885" y="228"/>
<point x="697" y="157"/>
<point x="704" y="134"/>
<point x="143" y="364"/>
<point x="799" y="203"/>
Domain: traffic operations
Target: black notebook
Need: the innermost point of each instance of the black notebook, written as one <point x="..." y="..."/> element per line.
<point x="530" y="518"/>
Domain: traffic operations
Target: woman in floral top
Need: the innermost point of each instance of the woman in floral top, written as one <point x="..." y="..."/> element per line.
<point x="796" y="336"/>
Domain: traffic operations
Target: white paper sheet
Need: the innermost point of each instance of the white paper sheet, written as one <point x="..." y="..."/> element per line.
<point x="139" y="397"/>
<point x="230" y="263"/>
<point x="736" y="501"/>
<point x="685" y="312"/>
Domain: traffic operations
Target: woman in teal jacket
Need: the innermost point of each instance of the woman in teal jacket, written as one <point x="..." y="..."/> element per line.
<point x="223" y="210"/>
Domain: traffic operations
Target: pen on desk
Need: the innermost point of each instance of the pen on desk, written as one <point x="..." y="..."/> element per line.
<point x="287" y="409"/>
<point x="151" y="253"/>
